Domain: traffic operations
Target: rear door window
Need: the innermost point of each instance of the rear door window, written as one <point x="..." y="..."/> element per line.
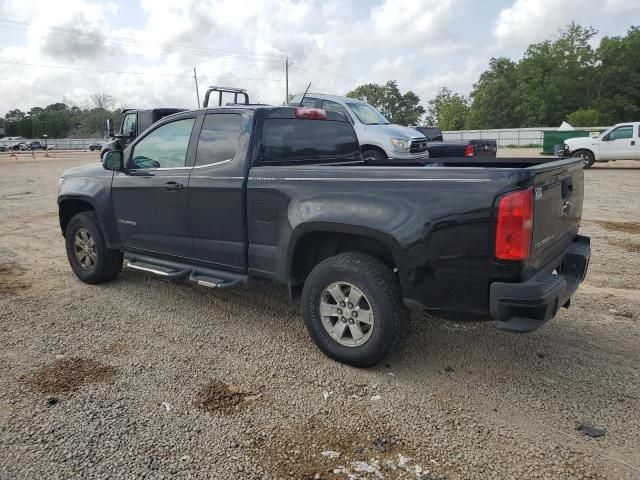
<point x="287" y="141"/>
<point x="220" y="138"/>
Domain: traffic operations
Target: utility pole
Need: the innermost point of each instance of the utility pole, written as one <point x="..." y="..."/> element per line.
<point x="286" y="80"/>
<point x="195" y="78"/>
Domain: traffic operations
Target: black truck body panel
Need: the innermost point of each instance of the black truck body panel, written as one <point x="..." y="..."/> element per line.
<point x="440" y="148"/>
<point x="438" y="221"/>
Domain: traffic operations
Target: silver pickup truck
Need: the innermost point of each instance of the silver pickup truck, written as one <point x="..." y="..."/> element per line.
<point x="380" y="140"/>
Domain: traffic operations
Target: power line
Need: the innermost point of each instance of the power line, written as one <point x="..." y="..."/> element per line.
<point x="119" y="72"/>
<point x="189" y="49"/>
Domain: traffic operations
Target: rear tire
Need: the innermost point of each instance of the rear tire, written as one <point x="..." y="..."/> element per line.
<point x="381" y="304"/>
<point x="587" y="157"/>
<point x="88" y="255"/>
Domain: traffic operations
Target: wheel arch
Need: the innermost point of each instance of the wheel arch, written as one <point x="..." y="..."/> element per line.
<point x="313" y="242"/>
<point x="370" y="146"/>
<point x="70" y="206"/>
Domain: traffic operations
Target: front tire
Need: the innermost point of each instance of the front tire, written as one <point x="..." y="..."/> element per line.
<point x="373" y="156"/>
<point x="587" y="157"/>
<point x="353" y="309"/>
<point x="88" y="255"/>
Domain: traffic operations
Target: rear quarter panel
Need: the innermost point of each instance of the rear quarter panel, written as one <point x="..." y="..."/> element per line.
<point x="437" y="222"/>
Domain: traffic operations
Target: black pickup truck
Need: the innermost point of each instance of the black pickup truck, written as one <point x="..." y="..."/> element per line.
<point x="217" y="196"/>
<point x="440" y="148"/>
<point x="134" y="122"/>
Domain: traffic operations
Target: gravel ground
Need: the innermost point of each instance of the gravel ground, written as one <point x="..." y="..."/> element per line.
<point x="144" y="378"/>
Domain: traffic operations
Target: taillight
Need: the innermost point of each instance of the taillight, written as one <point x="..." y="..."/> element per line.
<point x="468" y="151"/>
<point x="515" y="223"/>
<point x="311" y="113"/>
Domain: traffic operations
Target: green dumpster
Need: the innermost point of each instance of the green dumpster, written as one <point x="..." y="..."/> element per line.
<point x="552" y="138"/>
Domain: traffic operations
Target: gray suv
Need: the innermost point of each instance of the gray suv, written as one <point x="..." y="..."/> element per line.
<point x="379" y="139"/>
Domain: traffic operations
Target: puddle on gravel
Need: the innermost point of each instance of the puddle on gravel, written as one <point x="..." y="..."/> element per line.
<point x="625" y="227"/>
<point x="217" y="396"/>
<point x="68" y="374"/>
<point x="11" y="278"/>
<point x="317" y="451"/>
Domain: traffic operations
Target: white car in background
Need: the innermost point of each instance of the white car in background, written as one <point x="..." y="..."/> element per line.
<point x="620" y="142"/>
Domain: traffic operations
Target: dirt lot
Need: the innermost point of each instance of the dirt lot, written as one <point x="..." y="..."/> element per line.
<point x="141" y="377"/>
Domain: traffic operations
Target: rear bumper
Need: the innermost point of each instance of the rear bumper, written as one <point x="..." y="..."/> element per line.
<point x="523" y="307"/>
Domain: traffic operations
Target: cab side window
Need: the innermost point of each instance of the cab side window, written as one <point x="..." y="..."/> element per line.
<point x="335" y="107"/>
<point x="164" y="147"/>
<point x="129" y="124"/>
<point x="621" y="133"/>
<point x="220" y="138"/>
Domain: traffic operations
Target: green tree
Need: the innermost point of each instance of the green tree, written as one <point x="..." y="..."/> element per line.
<point x="556" y="77"/>
<point x="448" y="110"/>
<point x="494" y="98"/>
<point x="584" y="117"/>
<point x="618" y="86"/>
<point x="396" y="107"/>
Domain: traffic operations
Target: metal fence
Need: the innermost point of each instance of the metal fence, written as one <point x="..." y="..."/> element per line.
<point x="60" y="143"/>
<point x="516" y="137"/>
<point x="72" y="143"/>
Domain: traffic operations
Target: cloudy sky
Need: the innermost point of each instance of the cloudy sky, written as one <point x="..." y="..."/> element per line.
<point x="143" y="51"/>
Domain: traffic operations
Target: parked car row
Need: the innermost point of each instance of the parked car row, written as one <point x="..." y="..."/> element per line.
<point x="21" y="145"/>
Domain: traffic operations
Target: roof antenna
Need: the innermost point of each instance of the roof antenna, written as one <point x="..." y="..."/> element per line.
<point x="305" y="93"/>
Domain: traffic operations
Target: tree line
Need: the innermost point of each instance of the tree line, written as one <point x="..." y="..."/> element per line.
<point x="563" y="78"/>
<point x="63" y="119"/>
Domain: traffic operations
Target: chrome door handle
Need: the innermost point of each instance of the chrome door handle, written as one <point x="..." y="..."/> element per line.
<point x="172" y="186"/>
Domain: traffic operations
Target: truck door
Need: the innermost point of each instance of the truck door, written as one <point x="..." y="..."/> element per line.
<point x="150" y="196"/>
<point x="216" y="193"/>
<point x="618" y="144"/>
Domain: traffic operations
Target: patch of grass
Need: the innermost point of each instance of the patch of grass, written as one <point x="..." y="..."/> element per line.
<point x="217" y="396"/>
<point x="68" y="374"/>
<point x="11" y="280"/>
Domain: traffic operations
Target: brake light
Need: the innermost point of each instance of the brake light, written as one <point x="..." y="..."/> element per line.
<point x="468" y="151"/>
<point x="311" y="113"/>
<point x="515" y="224"/>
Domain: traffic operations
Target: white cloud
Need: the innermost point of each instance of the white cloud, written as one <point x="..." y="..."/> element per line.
<point x="529" y="21"/>
<point x="336" y="45"/>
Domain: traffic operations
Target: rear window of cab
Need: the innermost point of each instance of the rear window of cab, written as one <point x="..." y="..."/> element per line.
<point x="292" y="141"/>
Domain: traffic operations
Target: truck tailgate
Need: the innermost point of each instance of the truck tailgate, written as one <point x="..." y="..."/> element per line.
<point x="558" y="192"/>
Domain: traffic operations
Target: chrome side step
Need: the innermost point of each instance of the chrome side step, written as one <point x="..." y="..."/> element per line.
<point x="161" y="270"/>
<point x="203" y="276"/>
<point x="206" y="281"/>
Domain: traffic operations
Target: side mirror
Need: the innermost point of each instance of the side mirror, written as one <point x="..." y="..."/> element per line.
<point x="110" y="127"/>
<point x="113" y="160"/>
<point x="606" y="138"/>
